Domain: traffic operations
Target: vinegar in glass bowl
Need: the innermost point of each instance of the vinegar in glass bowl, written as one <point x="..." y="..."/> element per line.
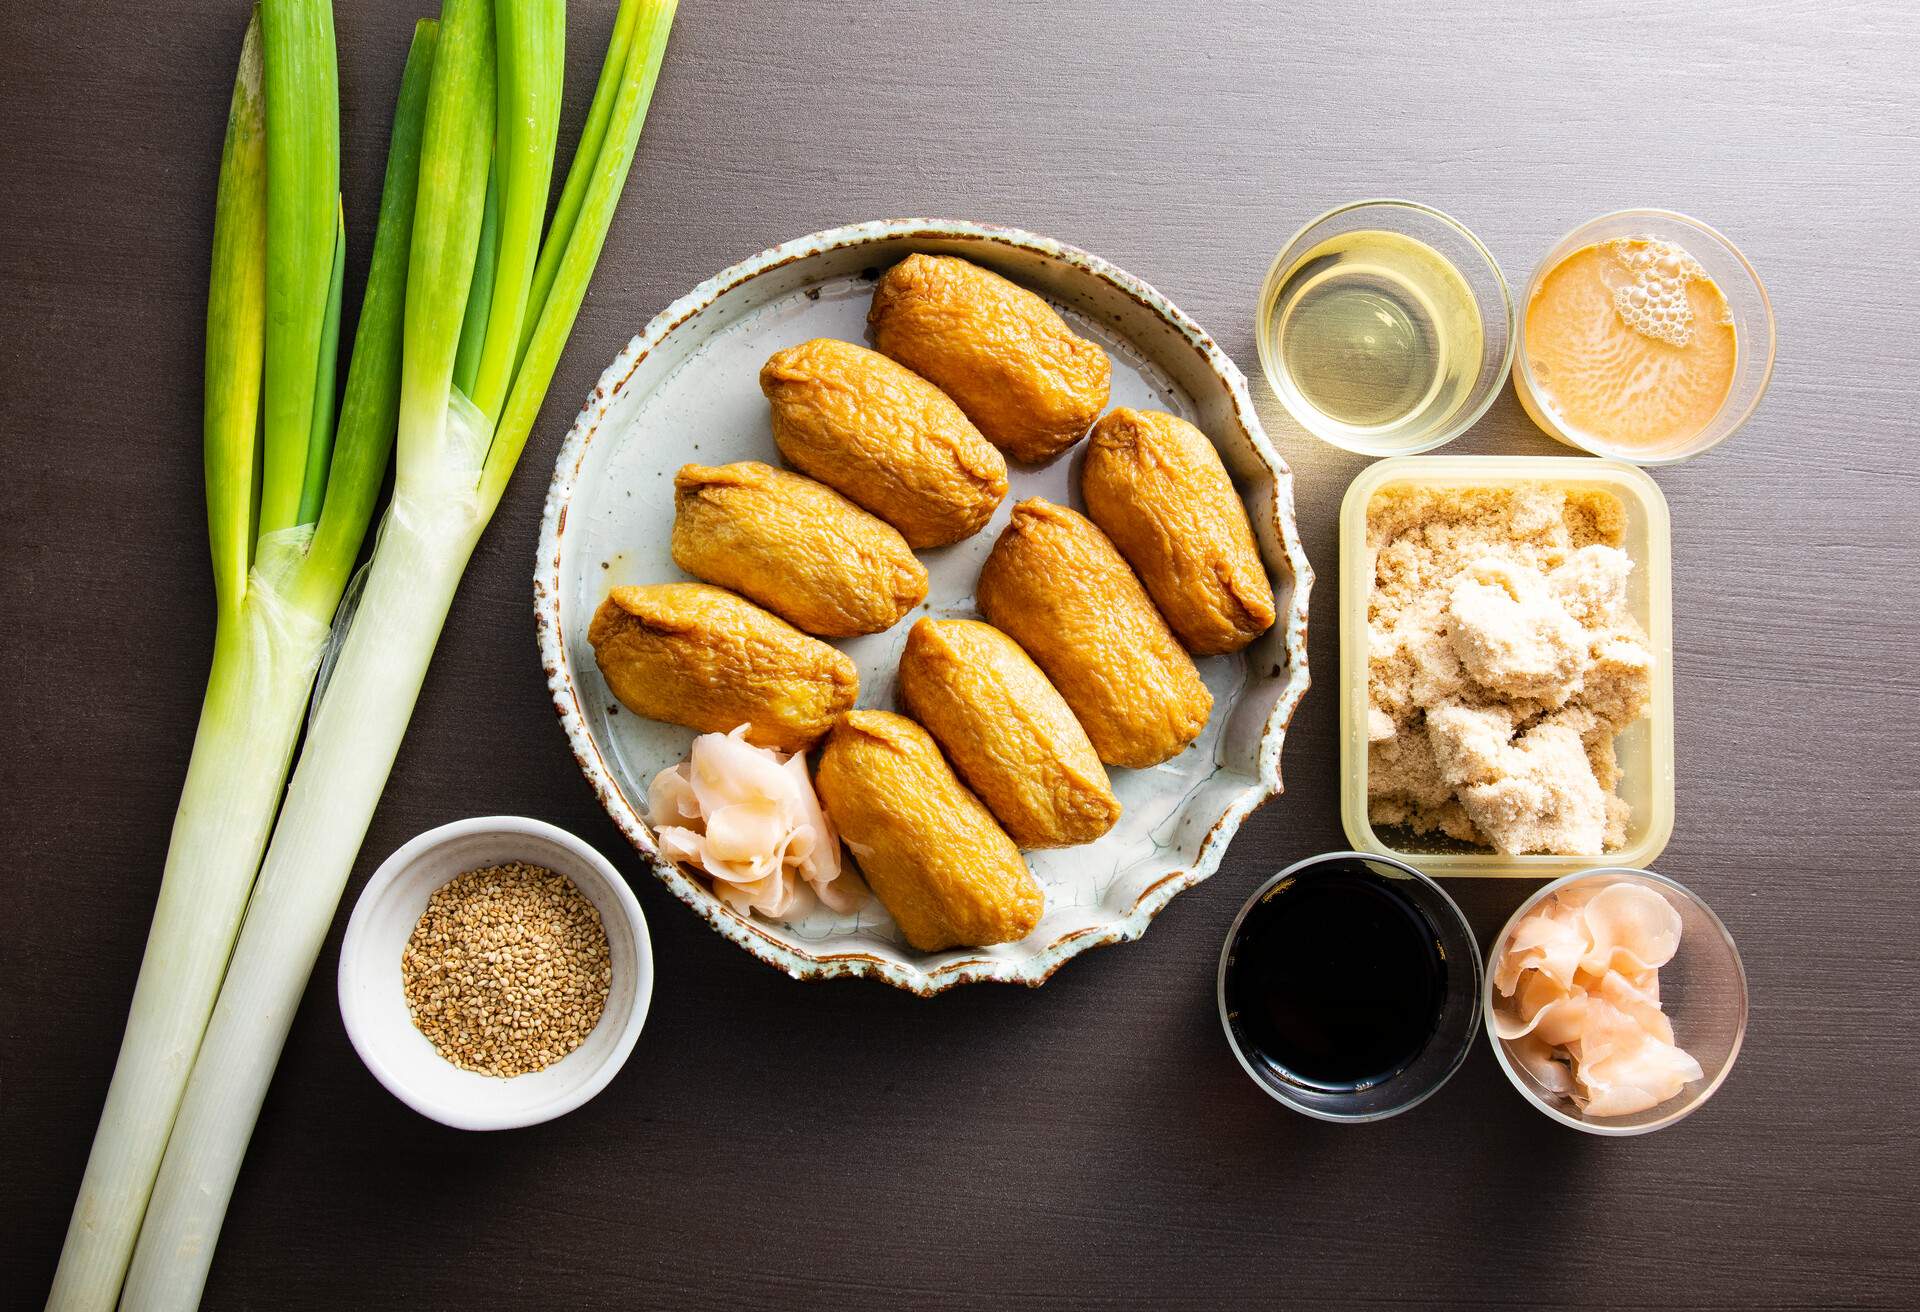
<point x="1378" y="334"/>
<point x="1385" y="327"/>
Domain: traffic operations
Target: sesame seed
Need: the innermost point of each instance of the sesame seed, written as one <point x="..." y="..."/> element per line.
<point x="508" y="969"/>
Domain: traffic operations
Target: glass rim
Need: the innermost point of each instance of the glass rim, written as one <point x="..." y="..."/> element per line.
<point x="1464" y="419"/>
<point x="1473" y="1020"/>
<point x="1524" y="366"/>
<point x="1499" y="1045"/>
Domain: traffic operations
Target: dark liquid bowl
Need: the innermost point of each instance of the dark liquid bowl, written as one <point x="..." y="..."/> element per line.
<point x="1349" y="987"/>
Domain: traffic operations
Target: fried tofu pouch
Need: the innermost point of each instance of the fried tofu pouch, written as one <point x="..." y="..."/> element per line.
<point x="797" y="547"/>
<point x="1155" y="485"/>
<point x="1024" y="378"/>
<point x="885" y="438"/>
<point x="934" y="856"/>
<point x="1055" y="585"/>
<point x="1007" y="731"/>
<point x="696" y="655"/>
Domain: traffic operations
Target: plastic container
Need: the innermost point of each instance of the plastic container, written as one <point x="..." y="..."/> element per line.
<point x="1469" y="257"/>
<point x="1753" y="331"/>
<point x="1645" y="749"/>
<point x="1703" y="991"/>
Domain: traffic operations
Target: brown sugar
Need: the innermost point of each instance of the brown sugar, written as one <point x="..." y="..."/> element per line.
<point x="1502" y="662"/>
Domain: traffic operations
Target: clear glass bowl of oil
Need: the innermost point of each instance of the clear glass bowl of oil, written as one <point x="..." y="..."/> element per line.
<point x="1385" y="328"/>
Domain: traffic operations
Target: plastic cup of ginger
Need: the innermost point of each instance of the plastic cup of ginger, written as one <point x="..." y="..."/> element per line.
<point x="1644" y="335"/>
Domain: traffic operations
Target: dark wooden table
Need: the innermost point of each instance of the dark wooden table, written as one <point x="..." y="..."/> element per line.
<point x="1092" y="1142"/>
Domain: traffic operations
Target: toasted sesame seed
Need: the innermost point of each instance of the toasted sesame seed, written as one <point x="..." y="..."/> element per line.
<point x="508" y="969"/>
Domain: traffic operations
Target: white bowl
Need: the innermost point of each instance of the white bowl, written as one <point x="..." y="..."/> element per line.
<point x="373" y="1004"/>
<point x="687" y="389"/>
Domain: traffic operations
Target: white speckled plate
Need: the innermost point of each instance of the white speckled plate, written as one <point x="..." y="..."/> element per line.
<point x="687" y="389"/>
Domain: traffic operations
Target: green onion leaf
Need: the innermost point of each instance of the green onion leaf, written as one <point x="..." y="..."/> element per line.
<point x="532" y="59"/>
<point x="605" y="176"/>
<point x="473" y="327"/>
<point x="236" y="326"/>
<point x="303" y="199"/>
<point x="313" y="484"/>
<point x="370" y="409"/>
<point x="454" y="151"/>
<point x="586" y="150"/>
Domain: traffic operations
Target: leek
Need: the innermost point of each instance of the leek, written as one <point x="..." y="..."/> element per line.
<point x="473" y="326"/>
<point x="313" y="485"/>
<point x="276" y="584"/>
<point x="303" y="198"/>
<point x="454" y="460"/>
<point x="532" y="54"/>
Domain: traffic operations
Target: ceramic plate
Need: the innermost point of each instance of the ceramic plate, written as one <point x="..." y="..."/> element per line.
<point x="687" y="390"/>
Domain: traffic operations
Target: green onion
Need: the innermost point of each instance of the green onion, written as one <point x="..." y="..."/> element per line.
<point x="370" y="409"/>
<point x="612" y="71"/>
<point x="276" y="588"/>
<point x="303" y="209"/>
<point x="473" y="324"/>
<point x="579" y="244"/>
<point x="236" y="332"/>
<point x="453" y="465"/>
<point x="313" y="484"/>
<point x="532" y="56"/>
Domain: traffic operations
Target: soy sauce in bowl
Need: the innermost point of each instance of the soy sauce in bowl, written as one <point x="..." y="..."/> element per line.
<point x="1337" y="981"/>
<point x="1348" y="987"/>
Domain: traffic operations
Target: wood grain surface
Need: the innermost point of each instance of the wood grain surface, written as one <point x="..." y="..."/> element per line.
<point x="1091" y="1143"/>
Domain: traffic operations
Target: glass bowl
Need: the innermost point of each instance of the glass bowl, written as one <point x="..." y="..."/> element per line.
<point x="1753" y="331"/>
<point x="1703" y="990"/>
<point x="1454" y="1031"/>
<point x="1492" y="301"/>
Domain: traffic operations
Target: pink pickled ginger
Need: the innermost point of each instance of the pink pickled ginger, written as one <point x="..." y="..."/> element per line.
<point x="749" y="817"/>
<point x="1581" y="976"/>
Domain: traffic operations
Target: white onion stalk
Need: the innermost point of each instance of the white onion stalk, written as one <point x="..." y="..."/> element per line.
<point x="453" y="466"/>
<point x="256" y="696"/>
<point x="287" y="508"/>
<point x="423" y="548"/>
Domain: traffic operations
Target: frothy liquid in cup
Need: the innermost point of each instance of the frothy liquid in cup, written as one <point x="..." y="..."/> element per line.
<point x="1631" y="344"/>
